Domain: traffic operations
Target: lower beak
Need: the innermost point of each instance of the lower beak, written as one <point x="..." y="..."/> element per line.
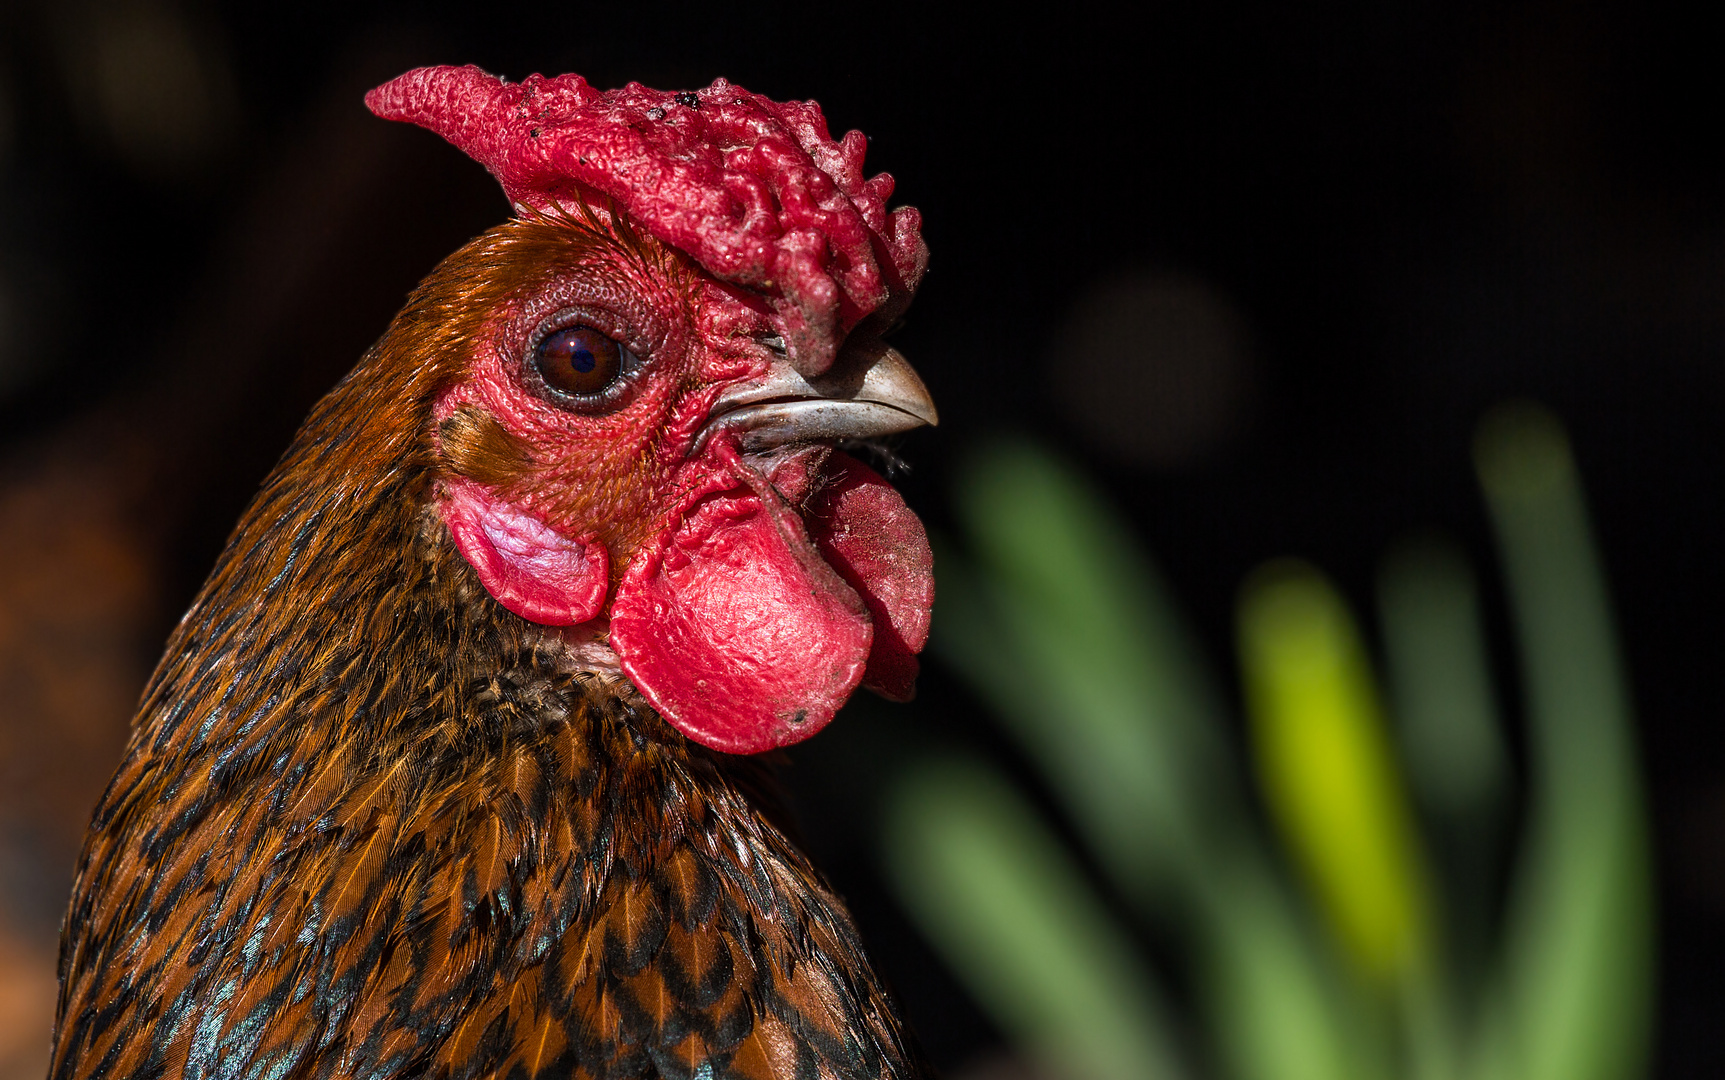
<point x="870" y="391"/>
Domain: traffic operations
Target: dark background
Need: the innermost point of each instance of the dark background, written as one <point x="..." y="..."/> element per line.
<point x="1361" y="225"/>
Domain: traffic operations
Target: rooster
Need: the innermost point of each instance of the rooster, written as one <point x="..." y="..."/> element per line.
<point x="444" y="772"/>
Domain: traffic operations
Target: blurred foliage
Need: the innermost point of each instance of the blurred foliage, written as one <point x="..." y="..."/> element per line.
<point x="1346" y="919"/>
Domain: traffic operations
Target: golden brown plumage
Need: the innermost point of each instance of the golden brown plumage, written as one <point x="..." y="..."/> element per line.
<point x="372" y="823"/>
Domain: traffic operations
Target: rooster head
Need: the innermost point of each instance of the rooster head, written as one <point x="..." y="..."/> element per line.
<point x="637" y="389"/>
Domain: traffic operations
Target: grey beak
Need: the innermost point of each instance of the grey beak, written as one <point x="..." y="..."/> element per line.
<point x="870" y="391"/>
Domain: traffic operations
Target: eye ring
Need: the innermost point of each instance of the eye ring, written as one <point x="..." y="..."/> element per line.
<point x="580" y="367"/>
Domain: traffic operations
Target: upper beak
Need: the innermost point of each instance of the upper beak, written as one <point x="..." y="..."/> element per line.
<point x="870" y="391"/>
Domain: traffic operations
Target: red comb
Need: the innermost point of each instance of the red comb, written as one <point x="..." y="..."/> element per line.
<point x="754" y="190"/>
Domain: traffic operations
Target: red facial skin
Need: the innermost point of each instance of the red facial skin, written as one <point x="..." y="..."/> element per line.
<point x="746" y="596"/>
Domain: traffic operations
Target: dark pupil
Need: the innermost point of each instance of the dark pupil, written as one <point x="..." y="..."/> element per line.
<point x="579" y="360"/>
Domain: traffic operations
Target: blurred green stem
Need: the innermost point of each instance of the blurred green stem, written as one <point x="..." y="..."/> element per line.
<point x="1576" y="983"/>
<point x="1329" y="777"/>
<point x="1011" y="913"/>
<point x="1064" y="627"/>
<point x="1277" y="1010"/>
<point x="1451" y="735"/>
<point x="1450" y="732"/>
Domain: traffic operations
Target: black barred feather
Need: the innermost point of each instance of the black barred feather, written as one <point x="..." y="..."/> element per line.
<point x="372" y="825"/>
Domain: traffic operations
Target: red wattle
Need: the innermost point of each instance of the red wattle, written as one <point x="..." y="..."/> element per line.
<point x="735" y="629"/>
<point x="865" y="531"/>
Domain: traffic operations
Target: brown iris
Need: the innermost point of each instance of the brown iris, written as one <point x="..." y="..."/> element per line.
<point x="579" y="361"/>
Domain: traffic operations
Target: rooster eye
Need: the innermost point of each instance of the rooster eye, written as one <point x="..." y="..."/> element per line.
<point x="580" y="361"/>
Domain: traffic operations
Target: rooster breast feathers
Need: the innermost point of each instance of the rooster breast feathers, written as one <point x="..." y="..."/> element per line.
<point x="435" y="777"/>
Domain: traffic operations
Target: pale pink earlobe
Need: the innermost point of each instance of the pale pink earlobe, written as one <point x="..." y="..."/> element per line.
<point x="527" y="566"/>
